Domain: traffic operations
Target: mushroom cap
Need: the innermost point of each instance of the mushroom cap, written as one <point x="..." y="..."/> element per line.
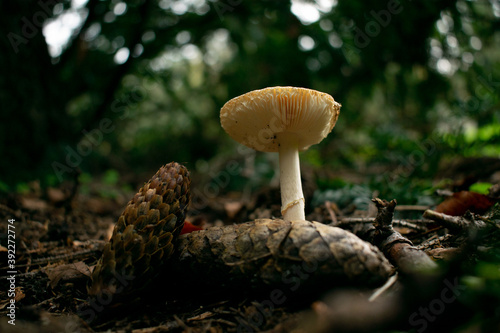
<point x="257" y="117"/>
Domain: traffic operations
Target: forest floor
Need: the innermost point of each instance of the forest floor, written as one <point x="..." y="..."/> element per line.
<point x="60" y="233"/>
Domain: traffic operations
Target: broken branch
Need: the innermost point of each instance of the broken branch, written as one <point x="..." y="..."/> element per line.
<point x="395" y="246"/>
<point x="456" y="223"/>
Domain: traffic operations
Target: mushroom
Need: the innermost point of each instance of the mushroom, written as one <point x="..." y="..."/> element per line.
<point x="284" y="120"/>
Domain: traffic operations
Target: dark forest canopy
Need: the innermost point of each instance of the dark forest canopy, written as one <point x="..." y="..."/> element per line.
<point x="93" y="85"/>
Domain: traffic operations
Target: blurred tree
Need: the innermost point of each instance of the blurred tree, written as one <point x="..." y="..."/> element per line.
<point x="140" y="83"/>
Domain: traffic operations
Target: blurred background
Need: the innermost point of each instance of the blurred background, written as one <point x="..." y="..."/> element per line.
<point x="113" y="90"/>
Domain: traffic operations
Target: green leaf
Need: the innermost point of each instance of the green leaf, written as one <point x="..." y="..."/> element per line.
<point x="480" y="188"/>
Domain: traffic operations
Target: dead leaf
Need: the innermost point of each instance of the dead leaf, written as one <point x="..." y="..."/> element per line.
<point x="461" y="202"/>
<point x="232" y="208"/>
<point x="19" y="296"/>
<point x="67" y="273"/>
<point x="33" y="203"/>
<point x="55" y="195"/>
<point x="202" y="316"/>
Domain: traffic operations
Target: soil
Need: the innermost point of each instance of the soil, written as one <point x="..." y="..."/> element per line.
<point x="60" y="233"/>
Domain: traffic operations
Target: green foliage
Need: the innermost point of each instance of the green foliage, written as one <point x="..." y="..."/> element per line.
<point x="107" y="186"/>
<point x="355" y="195"/>
<point x="4" y="188"/>
<point x="480" y="188"/>
<point x="330" y="183"/>
<point x="22" y="188"/>
<point x="84" y="179"/>
<point x="399" y="86"/>
<point x="482" y="281"/>
<point x="407" y="190"/>
<point x="111" y="177"/>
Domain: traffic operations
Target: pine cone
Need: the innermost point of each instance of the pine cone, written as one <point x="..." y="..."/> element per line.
<point x="144" y="236"/>
<point x="278" y="254"/>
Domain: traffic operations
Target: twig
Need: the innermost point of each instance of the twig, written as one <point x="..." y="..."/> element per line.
<point x="385" y="213"/>
<point x="390" y="281"/>
<point x="65" y="257"/>
<point x="20" y="275"/>
<point x="411" y="207"/>
<point x="434" y="241"/>
<point x="161" y="328"/>
<point x="397" y="248"/>
<point x="181" y="323"/>
<point x="223" y="321"/>
<point x="347" y="220"/>
<point x="412" y="224"/>
<point x="333" y="216"/>
<point x="456" y="223"/>
<point x="62" y="257"/>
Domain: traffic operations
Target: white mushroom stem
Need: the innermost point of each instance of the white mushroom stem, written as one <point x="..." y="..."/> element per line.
<point x="292" y="198"/>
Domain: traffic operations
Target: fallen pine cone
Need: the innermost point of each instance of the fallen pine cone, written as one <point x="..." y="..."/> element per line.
<point x="143" y="238"/>
<point x="277" y="253"/>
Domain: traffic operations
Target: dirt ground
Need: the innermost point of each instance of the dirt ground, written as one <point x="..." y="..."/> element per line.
<point x="60" y="233"/>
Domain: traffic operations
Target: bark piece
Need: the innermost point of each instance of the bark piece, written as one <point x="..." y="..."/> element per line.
<point x="278" y="253"/>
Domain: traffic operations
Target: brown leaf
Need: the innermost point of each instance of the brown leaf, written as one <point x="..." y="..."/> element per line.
<point x="461" y="202"/>
<point x="33" y="204"/>
<point x="19" y="296"/>
<point x="66" y="273"/>
<point x="55" y="195"/>
<point x="232" y="208"/>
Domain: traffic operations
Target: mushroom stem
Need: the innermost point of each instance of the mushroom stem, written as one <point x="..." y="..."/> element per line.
<point x="292" y="199"/>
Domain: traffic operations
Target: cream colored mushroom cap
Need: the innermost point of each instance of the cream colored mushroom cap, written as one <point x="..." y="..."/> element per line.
<point x="255" y="118"/>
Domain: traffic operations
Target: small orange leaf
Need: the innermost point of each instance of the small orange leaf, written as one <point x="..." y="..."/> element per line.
<point x="189" y="227"/>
